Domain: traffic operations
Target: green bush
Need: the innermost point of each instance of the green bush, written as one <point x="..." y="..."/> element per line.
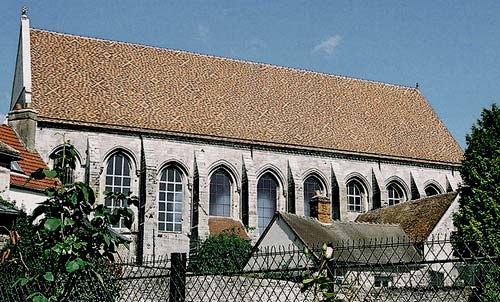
<point x="223" y="253"/>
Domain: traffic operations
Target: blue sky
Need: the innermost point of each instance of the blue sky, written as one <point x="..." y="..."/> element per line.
<point x="451" y="48"/>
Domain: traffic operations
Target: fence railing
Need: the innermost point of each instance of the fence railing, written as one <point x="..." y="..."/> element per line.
<point x="363" y="271"/>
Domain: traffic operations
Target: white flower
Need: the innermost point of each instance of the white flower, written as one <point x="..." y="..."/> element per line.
<point x="329" y="252"/>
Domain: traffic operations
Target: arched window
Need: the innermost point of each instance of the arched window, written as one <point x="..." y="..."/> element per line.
<point x="118" y="177"/>
<point x="431" y="190"/>
<point x="311" y="185"/>
<point x="395" y="194"/>
<point x="61" y="160"/>
<point x="220" y="194"/>
<point x="267" y="196"/>
<point x="170" y="199"/>
<point x="355" y="196"/>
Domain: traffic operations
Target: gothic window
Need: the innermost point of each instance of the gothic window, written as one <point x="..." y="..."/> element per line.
<point x="118" y="177"/>
<point x="220" y="194"/>
<point x="431" y="190"/>
<point x="267" y="196"/>
<point x="311" y="185"/>
<point x="395" y="194"/>
<point x="355" y="196"/>
<point x="60" y="162"/>
<point x="170" y="199"/>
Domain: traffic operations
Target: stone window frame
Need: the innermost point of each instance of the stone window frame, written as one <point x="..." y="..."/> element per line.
<point x="177" y="208"/>
<point x="356" y="200"/>
<point x="277" y="191"/>
<point x="221" y="170"/>
<point x="110" y="181"/>
<point x="393" y="199"/>
<point x="432" y="187"/>
<point x="322" y="187"/>
<point x="71" y="175"/>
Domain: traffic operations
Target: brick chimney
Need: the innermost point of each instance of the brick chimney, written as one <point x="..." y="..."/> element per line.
<point x="321" y="208"/>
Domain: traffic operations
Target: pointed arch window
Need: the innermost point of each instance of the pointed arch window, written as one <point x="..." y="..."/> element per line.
<point x="220" y="194"/>
<point x="311" y="185"/>
<point x="118" y="178"/>
<point x="267" y="196"/>
<point x="61" y="161"/>
<point x="431" y="190"/>
<point x="395" y="194"/>
<point x="355" y="196"/>
<point x="170" y="200"/>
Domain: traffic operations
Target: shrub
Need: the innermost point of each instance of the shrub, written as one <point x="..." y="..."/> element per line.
<point x="223" y="253"/>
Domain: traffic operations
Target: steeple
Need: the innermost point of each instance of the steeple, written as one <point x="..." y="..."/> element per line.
<point x="22" y="118"/>
<point x="21" y="87"/>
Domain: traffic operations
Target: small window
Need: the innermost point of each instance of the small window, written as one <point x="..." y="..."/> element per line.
<point x="355" y="194"/>
<point x="395" y="194"/>
<point x="382" y="281"/>
<point x="432" y="190"/>
<point x="14" y="166"/>
<point x="170" y="200"/>
<point x="436" y="279"/>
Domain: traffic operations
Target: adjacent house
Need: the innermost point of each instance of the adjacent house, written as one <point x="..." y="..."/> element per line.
<point x="429" y="222"/>
<point x="17" y="164"/>
<point x="203" y="139"/>
<point x="365" y="255"/>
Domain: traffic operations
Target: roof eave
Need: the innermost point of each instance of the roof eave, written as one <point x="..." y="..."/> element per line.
<point x="297" y="147"/>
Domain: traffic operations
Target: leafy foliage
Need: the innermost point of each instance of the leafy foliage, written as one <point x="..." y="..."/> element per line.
<point x="68" y="237"/>
<point x="479" y="214"/>
<point x="225" y="252"/>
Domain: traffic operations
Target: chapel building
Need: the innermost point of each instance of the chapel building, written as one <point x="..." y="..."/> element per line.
<point x="207" y="142"/>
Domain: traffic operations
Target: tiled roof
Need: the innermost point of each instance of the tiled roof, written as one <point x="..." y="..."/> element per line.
<point x="417" y="217"/>
<point x="218" y="225"/>
<point x="342" y="234"/>
<point x="99" y="83"/>
<point x="29" y="163"/>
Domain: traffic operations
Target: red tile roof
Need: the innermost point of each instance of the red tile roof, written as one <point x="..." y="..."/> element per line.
<point x="30" y="162"/>
<point x="217" y="225"/>
<point x="417" y="217"/>
<point x="99" y="83"/>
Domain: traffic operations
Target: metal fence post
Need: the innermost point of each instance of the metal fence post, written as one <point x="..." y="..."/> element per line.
<point x="177" y="290"/>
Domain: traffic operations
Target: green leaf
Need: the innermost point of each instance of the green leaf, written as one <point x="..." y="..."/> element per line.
<point x="22" y="281"/>
<point x="52" y="224"/>
<point x="38" y="297"/>
<point x="38" y="174"/>
<point x="72" y="266"/>
<point x="107" y="239"/>
<point x="68" y="221"/>
<point x="50" y="173"/>
<point x="48" y="276"/>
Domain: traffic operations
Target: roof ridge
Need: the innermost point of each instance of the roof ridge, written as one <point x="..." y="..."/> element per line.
<point x="365" y="222"/>
<point x="296" y="69"/>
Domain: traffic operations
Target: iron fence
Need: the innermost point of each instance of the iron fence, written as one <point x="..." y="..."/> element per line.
<point x="392" y="270"/>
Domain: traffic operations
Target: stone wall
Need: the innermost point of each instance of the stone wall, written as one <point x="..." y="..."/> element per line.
<point x="95" y="148"/>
